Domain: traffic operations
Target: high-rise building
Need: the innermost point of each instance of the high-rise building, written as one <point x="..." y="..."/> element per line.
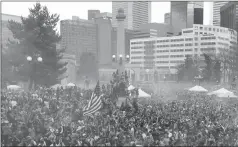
<point x="167" y="18"/>
<point x="185" y="14"/>
<point x="92" y="14"/>
<point x="78" y="36"/>
<point x="104" y="39"/>
<point x="137" y="13"/>
<point x="216" y="11"/>
<point x="229" y="15"/>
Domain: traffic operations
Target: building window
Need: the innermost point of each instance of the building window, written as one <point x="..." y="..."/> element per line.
<point x="196" y="33"/>
<point x="210" y="29"/>
<point x="201" y="28"/>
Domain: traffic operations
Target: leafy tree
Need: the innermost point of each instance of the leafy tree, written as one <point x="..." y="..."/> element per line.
<point x="217" y="70"/>
<point x="37" y="36"/>
<point x="207" y="72"/>
<point x="180" y="71"/>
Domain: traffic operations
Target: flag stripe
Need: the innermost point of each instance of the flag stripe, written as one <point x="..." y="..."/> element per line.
<point x="93" y="106"/>
<point x="95" y="109"/>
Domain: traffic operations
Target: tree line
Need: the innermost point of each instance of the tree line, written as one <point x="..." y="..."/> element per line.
<point x="211" y="69"/>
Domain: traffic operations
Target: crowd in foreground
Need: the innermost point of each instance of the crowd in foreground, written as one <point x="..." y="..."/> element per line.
<point x="45" y="119"/>
<point x="53" y="117"/>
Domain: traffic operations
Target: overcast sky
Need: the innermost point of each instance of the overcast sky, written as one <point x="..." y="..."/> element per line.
<point x="69" y="9"/>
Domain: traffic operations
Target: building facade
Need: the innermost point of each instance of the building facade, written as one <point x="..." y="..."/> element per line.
<point x="185" y="14"/>
<point x="137" y="13"/>
<point x="92" y="14"/>
<point x="167" y="18"/>
<point x="163" y="54"/>
<point x="216" y="11"/>
<point x="144" y="33"/>
<point x="229" y="15"/>
<point x="78" y="36"/>
<point x="104" y="41"/>
<point x="163" y="29"/>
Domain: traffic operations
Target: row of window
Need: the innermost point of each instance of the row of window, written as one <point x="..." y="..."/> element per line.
<point x="162" y="46"/>
<point x="177" y="50"/>
<point x="188" y="44"/>
<point x="208" y="43"/>
<point x="177" y="45"/>
<point x="137" y="47"/>
<point x="208" y="38"/>
<point x="210" y="29"/>
<point x="173" y="61"/>
<point x="158" y="41"/>
<point x="224" y="44"/>
<point x="208" y="49"/>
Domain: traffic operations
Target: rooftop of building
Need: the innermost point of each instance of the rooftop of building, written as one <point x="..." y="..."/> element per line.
<point x="185" y="36"/>
<point x="6" y="17"/>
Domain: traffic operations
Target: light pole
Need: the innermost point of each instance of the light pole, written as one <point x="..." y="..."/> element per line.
<point x="120" y="61"/>
<point x="198" y="78"/>
<point x="33" y="61"/>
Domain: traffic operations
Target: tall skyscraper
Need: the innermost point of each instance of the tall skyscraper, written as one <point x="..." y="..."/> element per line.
<point x="229" y="15"/>
<point x="185" y="14"/>
<point x="137" y="13"/>
<point x="92" y="14"/>
<point x="216" y="12"/>
<point x="167" y="18"/>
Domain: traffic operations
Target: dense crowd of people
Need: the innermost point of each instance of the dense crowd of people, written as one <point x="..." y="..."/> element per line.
<point x="48" y="117"/>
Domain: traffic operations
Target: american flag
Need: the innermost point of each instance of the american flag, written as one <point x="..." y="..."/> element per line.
<point x="94" y="104"/>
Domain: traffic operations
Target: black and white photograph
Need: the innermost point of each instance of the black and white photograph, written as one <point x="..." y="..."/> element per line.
<point x="119" y="73"/>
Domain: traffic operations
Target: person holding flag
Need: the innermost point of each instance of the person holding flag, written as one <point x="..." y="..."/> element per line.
<point x="95" y="103"/>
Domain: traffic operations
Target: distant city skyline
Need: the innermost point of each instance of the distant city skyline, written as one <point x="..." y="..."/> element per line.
<point x="68" y="9"/>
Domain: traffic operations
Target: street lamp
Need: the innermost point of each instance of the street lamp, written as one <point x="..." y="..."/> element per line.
<point x="198" y="78"/>
<point x="33" y="62"/>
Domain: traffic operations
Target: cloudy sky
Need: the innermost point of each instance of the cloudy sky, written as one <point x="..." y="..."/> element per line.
<point x="69" y="9"/>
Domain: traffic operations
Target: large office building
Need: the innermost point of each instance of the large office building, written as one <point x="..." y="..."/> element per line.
<point x="137" y="13"/>
<point x="163" y="54"/>
<point x="167" y="18"/>
<point x="216" y="11"/>
<point x="229" y="15"/>
<point x="185" y="14"/>
<point x="78" y="36"/>
<point x="104" y="41"/>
